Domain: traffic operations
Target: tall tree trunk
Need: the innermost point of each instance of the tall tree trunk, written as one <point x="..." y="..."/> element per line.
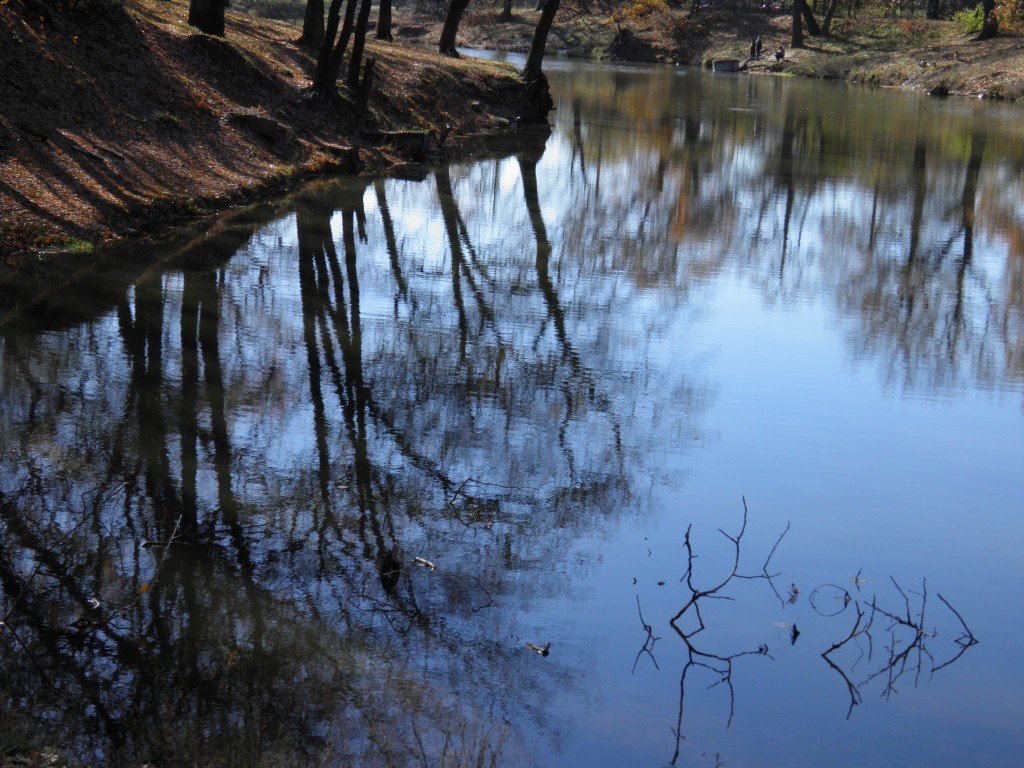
<point x="384" y="21"/>
<point x="456" y="8"/>
<point x="328" y="65"/>
<point x="988" y="26"/>
<point x="826" y="22"/>
<point x="506" y="11"/>
<point x="532" y="70"/>
<point x="537" y="96"/>
<point x="313" y="25"/>
<point x="809" y="20"/>
<point x="358" y="44"/>
<point x="797" y="40"/>
<point x="932" y="10"/>
<point x="207" y="16"/>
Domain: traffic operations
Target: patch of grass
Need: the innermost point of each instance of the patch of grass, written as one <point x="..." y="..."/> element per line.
<point x="74" y="246"/>
<point x="822" y="68"/>
<point x="168" y="120"/>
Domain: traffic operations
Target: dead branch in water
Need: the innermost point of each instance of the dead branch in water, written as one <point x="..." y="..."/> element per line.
<point x="719" y="664"/>
<point x="649" y="641"/>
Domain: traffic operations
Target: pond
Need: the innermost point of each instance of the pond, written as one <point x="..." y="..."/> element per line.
<point x="491" y="464"/>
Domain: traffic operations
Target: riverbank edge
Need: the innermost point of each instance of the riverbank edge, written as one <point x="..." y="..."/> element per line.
<point x="932" y="57"/>
<point x="231" y="122"/>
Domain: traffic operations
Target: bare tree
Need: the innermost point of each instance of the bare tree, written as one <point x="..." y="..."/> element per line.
<point x="538" y="93"/>
<point x="452" y="19"/>
<point x="313" y="25"/>
<point x="207" y="16"/>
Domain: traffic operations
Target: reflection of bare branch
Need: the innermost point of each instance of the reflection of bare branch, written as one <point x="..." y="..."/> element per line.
<point x="906" y="644"/>
<point x="649" y="641"/>
<point x="854" y="692"/>
<point x="720" y="665"/>
<point x="764" y="568"/>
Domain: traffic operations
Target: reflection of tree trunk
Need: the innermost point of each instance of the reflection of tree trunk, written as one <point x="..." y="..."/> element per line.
<point x="390" y="240"/>
<point x="920" y="190"/>
<point x="528" y="170"/>
<point x="874" y="218"/>
<point x="209" y="342"/>
<point x="188" y="408"/>
<point x="786" y="175"/>
<point x="385" y="559"/>
<point x="143" y="338"/>
<point x="450" y="214"/>
<point x="968" y="201"/>
<point x="577" y="136"/>
<point x="314" y="229"/>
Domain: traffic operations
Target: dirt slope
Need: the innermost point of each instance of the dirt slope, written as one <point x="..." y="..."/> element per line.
<point x="114" y="119"/>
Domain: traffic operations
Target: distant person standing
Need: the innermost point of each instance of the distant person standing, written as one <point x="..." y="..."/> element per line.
<point x="757" y="47"/>
<point x="753" y="49"/>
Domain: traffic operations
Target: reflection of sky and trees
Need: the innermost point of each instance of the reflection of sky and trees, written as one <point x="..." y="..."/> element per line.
<point x="218" y="468"/>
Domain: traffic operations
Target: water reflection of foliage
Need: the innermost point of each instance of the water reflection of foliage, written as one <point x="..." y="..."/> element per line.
<point x="687" y="177"/>
<point x="179" y="547"/>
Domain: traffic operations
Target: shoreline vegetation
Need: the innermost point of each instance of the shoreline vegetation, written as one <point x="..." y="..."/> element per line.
<point x="118" y="118"/>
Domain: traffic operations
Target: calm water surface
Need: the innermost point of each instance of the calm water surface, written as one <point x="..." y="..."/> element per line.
<point x="222" y="456"/>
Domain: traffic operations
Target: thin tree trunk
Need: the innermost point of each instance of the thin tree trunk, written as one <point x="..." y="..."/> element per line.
<point x="357" y="46"/>
<point x="532" y="70"/>
<point x="988" y="26"/>
<point x="384" y="21"/>
<point x="812" y="24"/>
<point x="313" y="25"/>
<point x="826" y="22"/>
<point x="331" y="55"/>
<point x="456" y="8"/>
<point x="506" y="11"/>
<point x="797" y="40"/>
<point x="207" y="16"/>
<point x="932" y="11"/>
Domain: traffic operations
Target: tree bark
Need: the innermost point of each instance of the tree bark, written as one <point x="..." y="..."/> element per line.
<point x="456" y="8"/>
<point x="313" y="25"/>
<point x="384" y="21"/>
<point x="809" y="20"/>
<point x="932" y="10"/>
<point x="826" y="22"/>
<point x="357" y="46"/>
<point x="532" y="70"/>
<point x="207" y="16"/>
<point x="506" y="11"/>
<point x="328" y="65"/>
<point x="797" y="40"/>
<point x="988" y="26"/>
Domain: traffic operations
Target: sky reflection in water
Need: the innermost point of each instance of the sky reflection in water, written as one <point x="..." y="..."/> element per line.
<point x="535" y="371"/>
